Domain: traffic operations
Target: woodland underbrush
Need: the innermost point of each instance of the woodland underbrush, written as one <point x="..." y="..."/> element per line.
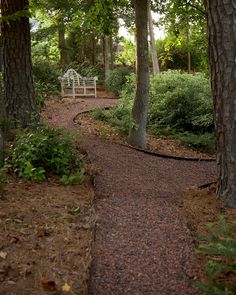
<point x="180" y="106"/>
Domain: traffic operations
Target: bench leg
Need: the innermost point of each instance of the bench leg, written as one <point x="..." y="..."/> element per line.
<point x="62" y="89"/>
<point x="73" y="89"/>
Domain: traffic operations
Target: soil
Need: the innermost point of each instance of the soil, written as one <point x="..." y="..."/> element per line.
<point x="45" y="242"/>
<point x="202" y="208"/>
<point x="142" y="244"/>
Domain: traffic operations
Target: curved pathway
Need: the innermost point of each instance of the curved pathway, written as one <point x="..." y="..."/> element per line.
<point x="142" y="245"/>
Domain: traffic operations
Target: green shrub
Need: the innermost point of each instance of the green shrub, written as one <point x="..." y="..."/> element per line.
<point x="87" y="70"/>
<point x="45" y="79"/>
<point x="117" y="79"/>
<point x="220" y="248"/>
<point x="37" y="152"/>
<point x="47" y="73"/>
<point x="99" y="114"/>
<point x="203" y="142"/>
<point x="120" y="118"/>
<point x="181" y="101"/>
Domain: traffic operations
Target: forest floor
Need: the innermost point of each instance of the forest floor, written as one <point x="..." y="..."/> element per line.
<point x="136" y="228"/>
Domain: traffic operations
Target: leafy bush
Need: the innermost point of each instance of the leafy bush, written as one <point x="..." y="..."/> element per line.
<point x="45" y="79"/>
<point x="42" y="150"/>
<point x="117" y="79"/>
<point x="203" y="142"/>
<point x="99" y="114"/>
<point x="120" y="118"/>
<point x="220" y="248"/>
<point x="181" y="101"/>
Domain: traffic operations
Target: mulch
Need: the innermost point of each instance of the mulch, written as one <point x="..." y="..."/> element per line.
<point x="142" y="243"/>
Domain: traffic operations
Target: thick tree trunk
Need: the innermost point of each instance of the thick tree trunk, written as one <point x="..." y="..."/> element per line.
<point x="106" y="57"/>
<point x="19" y="96"/>
<point x="64" y="58"/>
<point x="222" y="54"/>
<point x="155" y="63"/>
<point x="137" y="132"/>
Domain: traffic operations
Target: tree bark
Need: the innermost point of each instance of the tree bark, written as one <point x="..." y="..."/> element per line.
<point x="2" y="121"/>
<point x="188" y="48"/>
<point x="222" y="55"/>
<point x="137" y="132"/>
<point x="64" y="58"/>
<point x="94" y="50"/>
<point x="19" y="96"/>
<point x="155" y="63"/>
<point x="106" y="57"/>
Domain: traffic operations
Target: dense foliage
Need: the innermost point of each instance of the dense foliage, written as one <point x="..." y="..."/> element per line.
<point x="181" y="101"/>
<point x="117" y="79"/>
<point x="179" y="104"/>
<point x="37" y="152"/>
<point x="46" y="81"/>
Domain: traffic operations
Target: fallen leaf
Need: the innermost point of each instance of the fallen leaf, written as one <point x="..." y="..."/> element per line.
<point x="3" y="255"/>
<point x="48" y="284"/>
<point x="66" y="288"/>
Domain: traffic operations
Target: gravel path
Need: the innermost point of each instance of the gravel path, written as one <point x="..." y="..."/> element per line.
<point x="142" y="245"/>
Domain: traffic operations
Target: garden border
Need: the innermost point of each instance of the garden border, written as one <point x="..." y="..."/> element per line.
<point x="155" y="154"/>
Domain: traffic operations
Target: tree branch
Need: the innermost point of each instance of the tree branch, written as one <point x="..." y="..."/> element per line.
<point x="197" y="8"/>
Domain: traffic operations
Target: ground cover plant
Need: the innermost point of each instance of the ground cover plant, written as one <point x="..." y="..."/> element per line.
<point x="220" y="248"/>
<point x="39" y="151"/>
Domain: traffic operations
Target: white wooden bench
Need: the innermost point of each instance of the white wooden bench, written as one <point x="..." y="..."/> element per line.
<point x="80" y="86"/>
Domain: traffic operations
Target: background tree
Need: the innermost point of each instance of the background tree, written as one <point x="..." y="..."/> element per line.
<point x="155" y="62"/>
<point x="222" y="53"/>
<point x="137" y="132"/>
<point x="2" y="119"/>
<point x="184" y="18"/>
<point x="19" y="96"/>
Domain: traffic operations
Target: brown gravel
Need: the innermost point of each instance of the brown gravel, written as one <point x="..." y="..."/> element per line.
<point x="142" y="245"/>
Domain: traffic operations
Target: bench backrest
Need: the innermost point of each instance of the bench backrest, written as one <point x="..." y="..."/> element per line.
<point x="71" y="75"/>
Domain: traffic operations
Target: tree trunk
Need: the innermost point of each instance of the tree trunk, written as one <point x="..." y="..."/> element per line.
<point x="2" y="121"/>
<point x="137" y="132"/>
<point x="111" y="52"/>
<point x="94" y="51"/>
<point x="19" y="96"/>
<point x="188" y="48"/>
<point x="106" y="57"/>
<point x="222" y="54"/>
<point x="64" y="58"/>
<point x="155" y="63"/>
